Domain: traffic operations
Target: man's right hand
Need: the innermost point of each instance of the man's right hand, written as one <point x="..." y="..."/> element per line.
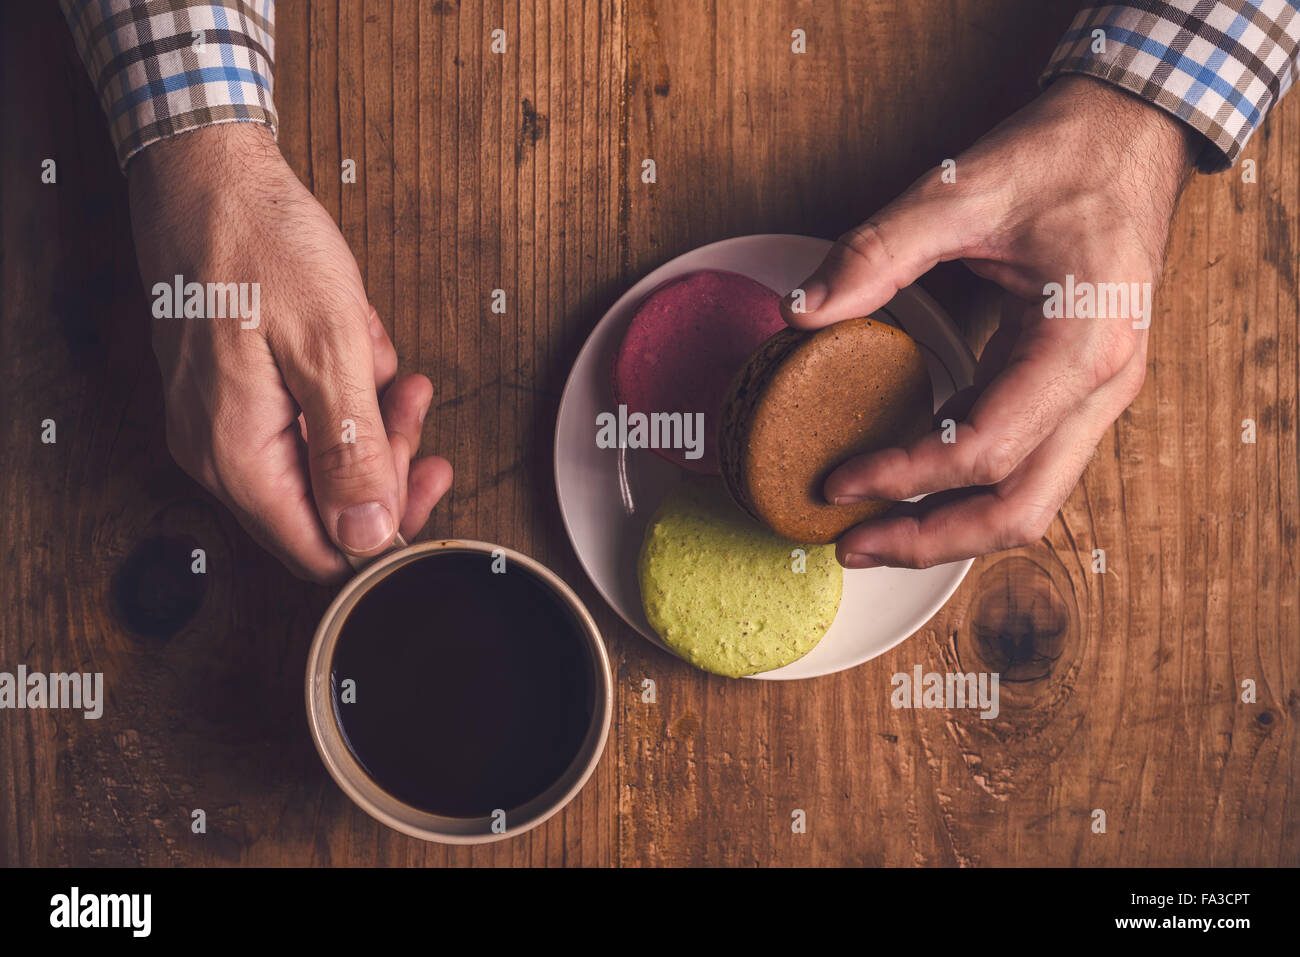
<point x="1082" y="183"/>
<point x="260" y="416"/>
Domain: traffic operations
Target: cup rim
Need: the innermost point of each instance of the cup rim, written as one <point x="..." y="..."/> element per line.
<point x="357" y="784"/>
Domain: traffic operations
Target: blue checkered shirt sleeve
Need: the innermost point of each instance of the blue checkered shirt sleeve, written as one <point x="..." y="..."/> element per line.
<point x="162" y="67"/>
<point x="1217" y="66"/>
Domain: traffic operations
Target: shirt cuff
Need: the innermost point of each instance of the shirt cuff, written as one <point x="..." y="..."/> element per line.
<point x="163" y="67"/>
<point x="1216" y="68"/>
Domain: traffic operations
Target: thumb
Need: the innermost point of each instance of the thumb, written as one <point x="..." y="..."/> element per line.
<point x="869" y="264"/>
<point x="353" y="474"/>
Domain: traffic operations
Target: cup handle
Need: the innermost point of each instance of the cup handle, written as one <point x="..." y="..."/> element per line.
<point x="360" y="563"/>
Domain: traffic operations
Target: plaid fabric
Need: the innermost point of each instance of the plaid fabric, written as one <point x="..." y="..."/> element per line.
<point x="1218" y="65"/>
<point x="162" y="67"/>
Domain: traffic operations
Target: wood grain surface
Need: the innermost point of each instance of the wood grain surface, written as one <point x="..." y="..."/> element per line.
<point x="476" y="171"/>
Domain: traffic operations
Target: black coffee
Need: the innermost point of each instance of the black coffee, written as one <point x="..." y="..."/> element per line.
<point x="473" y="690"/>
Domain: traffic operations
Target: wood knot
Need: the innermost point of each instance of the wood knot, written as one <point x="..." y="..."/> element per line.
<point x="533" y="128"/>
<point x="155" y="591"/>
<point x="1020" y="622"/>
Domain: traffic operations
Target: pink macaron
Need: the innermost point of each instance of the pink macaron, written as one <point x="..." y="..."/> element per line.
<point x="684" y="343"/>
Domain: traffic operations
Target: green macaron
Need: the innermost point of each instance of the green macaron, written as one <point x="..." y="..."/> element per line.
<point x="726" y="593"/>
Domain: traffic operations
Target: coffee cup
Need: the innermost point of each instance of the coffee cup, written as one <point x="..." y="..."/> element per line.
<point x="434" y="722"/>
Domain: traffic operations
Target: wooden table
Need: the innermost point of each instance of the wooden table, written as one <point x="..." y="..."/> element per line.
<point x="521" y="171"/>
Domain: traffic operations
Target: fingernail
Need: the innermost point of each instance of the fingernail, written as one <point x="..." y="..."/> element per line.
<point x="376" y="327"/>
<point x="847" y="499"/>
<point x="861" y="561"/>
<point x="364" y="527"/>
<point x="814" y="294"/>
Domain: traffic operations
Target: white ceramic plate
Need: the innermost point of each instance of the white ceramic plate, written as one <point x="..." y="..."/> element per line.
<point x="608" y="495"/>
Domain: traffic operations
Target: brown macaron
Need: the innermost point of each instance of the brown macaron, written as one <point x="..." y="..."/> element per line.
<point x="805" y="402"/>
